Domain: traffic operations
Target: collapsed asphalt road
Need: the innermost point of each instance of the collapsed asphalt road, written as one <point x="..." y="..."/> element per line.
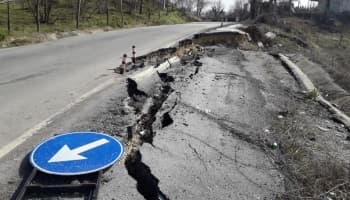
<point x="206" y="125"/>
<point x="210" y="150"/>
<point x="204" y="128"/>
<point x="40" y="81"/>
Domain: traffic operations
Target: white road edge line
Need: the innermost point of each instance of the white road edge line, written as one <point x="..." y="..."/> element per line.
<point x="29" y="133"/>
<point x="19" y="140"/>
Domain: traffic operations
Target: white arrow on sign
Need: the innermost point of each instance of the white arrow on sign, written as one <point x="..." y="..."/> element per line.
<point x="67" y="154"/>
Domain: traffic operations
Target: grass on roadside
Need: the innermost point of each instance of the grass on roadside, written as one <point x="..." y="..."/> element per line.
<point x="329" y="48"/>
<point x="63" y="20"/>
<point x="311" y="170"/>
<point x="312" y="94"/>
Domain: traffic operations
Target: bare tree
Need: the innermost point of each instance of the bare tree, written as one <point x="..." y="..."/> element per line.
<point x="45" y="6"/>
<point x="107" y="11"/>
<point x="217" y="9"/>
<point x="273" y="6"/>
<point x="159" y="8"/>
<point x="239" y="5"/>
<point x="291" y="6"/>
<point x="8" y="17"/>
<point x="189" y="5"/>
<point x="77" y="16"/>
<point x="32" y="6"/>
<point x="328" y="8"/>
<point x="237" y="10"/>
<point x="253" y="8"/>
<point x="48" y="7"/>
<point x="121" y="12"/>
<point x="201" y="4"/>
<point x="141" y="7"/>
<point x="77" y="11"/>
<point x="185" y="5"/>
<point x="37" y="7"/>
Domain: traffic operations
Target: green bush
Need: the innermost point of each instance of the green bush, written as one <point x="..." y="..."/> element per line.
<point x="312" y="94"/>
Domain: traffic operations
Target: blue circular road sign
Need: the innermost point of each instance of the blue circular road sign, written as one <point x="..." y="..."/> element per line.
<point x="76" y="153"/>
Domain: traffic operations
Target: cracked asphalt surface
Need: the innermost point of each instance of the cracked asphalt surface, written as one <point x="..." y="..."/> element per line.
<point x="208" y="133"/>
<point x="209" y="151"/>
<point x="37" y="81"/>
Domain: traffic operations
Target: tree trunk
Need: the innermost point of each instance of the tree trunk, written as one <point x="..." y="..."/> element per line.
<point x="149" y="10"/>
<point x="253" y="9"/>
<point x="141" y="7"/>
<point x="149" y="14"/>
<point x="121" y="12"/>
<point x="273" y="4"/>
<point x="107" y="12"/>
<point x="8" y="17"/>
<point x="167" y="7"/>
<point x="328" y="8"/>
<point x="159" y="9"/>
<point x="135" y="7"/>
<point x="48" y="13"/>
<point x="37" y="16"/>
<point x="77" y="17"/>
<point x="45" y="11"/>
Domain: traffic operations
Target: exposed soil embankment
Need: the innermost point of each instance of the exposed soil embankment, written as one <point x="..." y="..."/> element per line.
<point x="321" y="51"/>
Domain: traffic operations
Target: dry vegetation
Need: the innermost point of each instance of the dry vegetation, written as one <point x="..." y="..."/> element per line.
<point x="312" y="168"/>
<point x="314" y="160"/>
<point x="312" y="151"/>
<point x="328" y="46"/>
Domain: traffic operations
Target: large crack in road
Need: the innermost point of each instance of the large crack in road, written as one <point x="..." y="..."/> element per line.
<point x="201" y="128"/>
<point x="142" y="131"/>
<point x="214" y="148"/>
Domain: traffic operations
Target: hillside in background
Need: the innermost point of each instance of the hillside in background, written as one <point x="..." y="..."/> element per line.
<point x="60" y="17"/>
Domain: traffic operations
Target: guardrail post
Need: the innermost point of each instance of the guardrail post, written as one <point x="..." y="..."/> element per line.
<point x="133" y="58"/>
<point x="123" y="65"/>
